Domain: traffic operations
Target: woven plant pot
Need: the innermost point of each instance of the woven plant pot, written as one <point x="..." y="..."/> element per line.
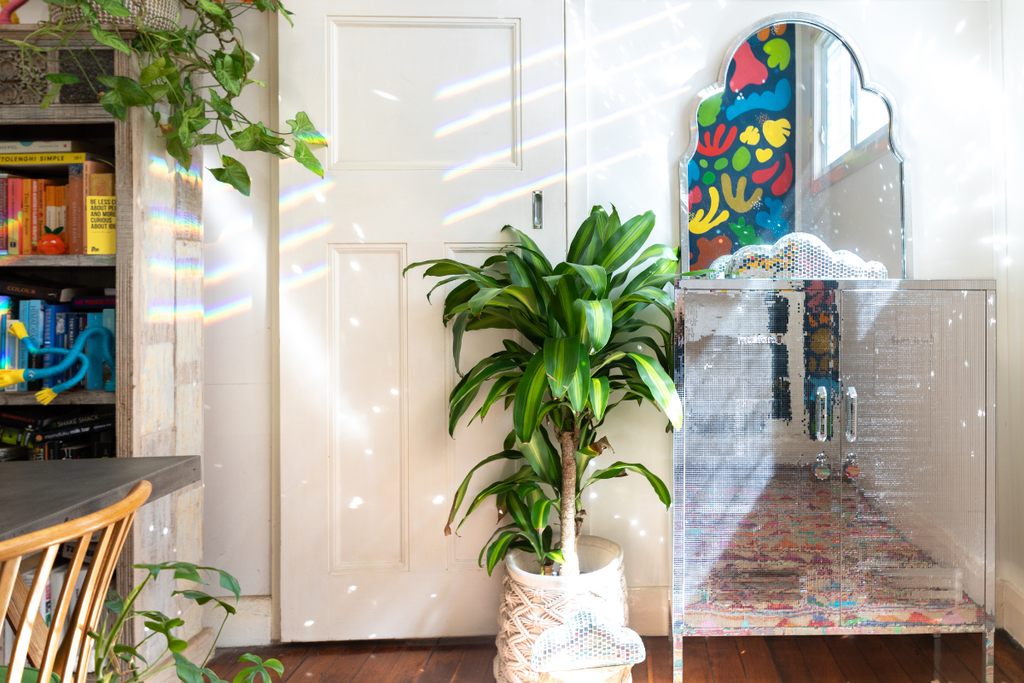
<point x="531" y="603"/>
<point x="158" y="14"/>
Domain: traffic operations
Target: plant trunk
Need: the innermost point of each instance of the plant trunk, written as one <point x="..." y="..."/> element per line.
<point x="569" y="441"/>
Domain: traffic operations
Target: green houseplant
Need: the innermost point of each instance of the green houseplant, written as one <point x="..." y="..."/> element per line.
<point x="581" y="358"/>
<point x="189" y="77"/>
<point x="116" y="662"/>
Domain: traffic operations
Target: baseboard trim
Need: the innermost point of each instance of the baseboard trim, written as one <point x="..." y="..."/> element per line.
<point x="250" y="626"/>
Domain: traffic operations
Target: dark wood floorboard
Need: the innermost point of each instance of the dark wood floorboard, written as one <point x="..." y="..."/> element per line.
<point x="783" y="659"/>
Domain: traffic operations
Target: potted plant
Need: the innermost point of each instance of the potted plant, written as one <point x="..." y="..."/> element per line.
<point x="116" y="662"/>
<point x="192" y="63"/>
<point x="579" y="321"/>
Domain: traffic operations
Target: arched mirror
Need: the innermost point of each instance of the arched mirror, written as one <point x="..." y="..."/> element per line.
<point x="794" y="138"/>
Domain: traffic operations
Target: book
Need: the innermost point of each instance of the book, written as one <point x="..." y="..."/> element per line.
<point x="93" y="303"/>
<point x="3" y="213"/>
<point x="100" y="224"/>
<point x="104" y="424"/>
<point x="101" y="185"/>
<point x="78" y="185"/>
<point x="22" y="362"/>
<point x="13" y="215"/>
<point x="25" y="237"/>
<point x="36" y="320"/>
<point x="94" y="376"/>
<point x="50" y="146"/>
<point x="44" y="158"/>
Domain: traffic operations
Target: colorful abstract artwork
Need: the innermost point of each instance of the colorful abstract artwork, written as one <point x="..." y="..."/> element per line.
<point x="740" y="179"/>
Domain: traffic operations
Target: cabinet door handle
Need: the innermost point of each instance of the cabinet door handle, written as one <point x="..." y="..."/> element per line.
<point x="851" y="414"/>
<point x="538" y="210"/>
<point x="821" y="400"/>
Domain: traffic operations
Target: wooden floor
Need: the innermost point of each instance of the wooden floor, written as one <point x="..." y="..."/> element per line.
<point x="804" y="659"/>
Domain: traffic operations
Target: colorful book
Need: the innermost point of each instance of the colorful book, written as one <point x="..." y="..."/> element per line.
<point x="13" y="215"/>
<point x="100" y="225"/>
<point x="25" y="237"/>
<point x="49" y="146"/>
<point x="94" y="376"/>
<point x="22" y="362"/>
<point x="109" y="322"/>
<point x="92" y="303"/>
<point x="36" y="321"/>
<point x="3" y="213"/>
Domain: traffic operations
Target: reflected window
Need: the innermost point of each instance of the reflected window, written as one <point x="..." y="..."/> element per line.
<point x="853" y="120"/>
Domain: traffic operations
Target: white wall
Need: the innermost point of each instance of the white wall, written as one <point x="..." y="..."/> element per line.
<point x="634" y="67"/>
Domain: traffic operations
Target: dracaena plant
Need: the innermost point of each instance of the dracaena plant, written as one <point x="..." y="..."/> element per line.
<point x="584" y="351"/>
<point x="116" y="662"/>
<point x="189" y="80"/>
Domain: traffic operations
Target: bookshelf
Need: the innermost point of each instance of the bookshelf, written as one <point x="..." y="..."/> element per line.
<point x="157" y="273"/>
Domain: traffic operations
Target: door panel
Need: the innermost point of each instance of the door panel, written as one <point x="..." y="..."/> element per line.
<point x="913" y="518"/>
<point x="443" y="118"/>
<point x="759" y="533"/>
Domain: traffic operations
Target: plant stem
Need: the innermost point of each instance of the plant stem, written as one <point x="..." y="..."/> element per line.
<point x="569" y="441"/>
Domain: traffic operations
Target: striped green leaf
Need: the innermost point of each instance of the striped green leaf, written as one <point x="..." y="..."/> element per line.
<point x="532" y="253"/>
<point x="595" y="277"/>
<point x="579" y="386"/>
<point x="497" y="550"/>
<point x="620" y="468"/>
<point x="517" y="270"/>
<point x="607" y="225"/>
<point x="529" y="397"/>
<point x="561" y="358"/>
<point x="599" y="392"/>
<point x="542" y="458"/>
<point x="480" y="299"/>
<point x="460" y="493"/>
<point x="457" y="331"/>
<point x="662" y="388"/>
<point x="626" y="242"/>
<point x="540" y="512"/>
<point x="587" y="241"/>
<point x="562" y="305"/>
<point x="595" y="320"/>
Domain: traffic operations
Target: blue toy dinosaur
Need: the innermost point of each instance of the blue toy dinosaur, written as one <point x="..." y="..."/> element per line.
<point x="76" y="354"/>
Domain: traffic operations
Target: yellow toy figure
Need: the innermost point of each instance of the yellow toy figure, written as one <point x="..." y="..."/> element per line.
<point x="75" y="354"/>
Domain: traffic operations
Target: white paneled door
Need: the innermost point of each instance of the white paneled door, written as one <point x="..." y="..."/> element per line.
<point x="444" y="117"/>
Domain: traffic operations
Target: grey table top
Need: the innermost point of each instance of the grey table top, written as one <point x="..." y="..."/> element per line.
<point x="36" y="495"/>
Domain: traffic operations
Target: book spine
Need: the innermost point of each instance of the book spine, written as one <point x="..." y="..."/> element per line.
<point x="35" y="146"/>
<point x="109" y="322"/>
<point x="3" y="214"/>
<point x="94" y="376"/>
<point x="37" y="208"/>
<point x="35" y="330"/>
<point x="70" y="341"/>
<point x="22" y="349"/>
<point x="87" y="303"/>
<point x="60" y="338"/>
<point x="76" y="209"/>
<point x="78" y="430"/>
<point x="13" y="215"/>
<point x="49" y="329"/>
<point x="25" y="238"/>
<point x="42" y="158"/>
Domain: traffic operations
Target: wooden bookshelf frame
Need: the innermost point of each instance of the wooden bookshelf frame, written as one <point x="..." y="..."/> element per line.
<point x="159" y="337"/>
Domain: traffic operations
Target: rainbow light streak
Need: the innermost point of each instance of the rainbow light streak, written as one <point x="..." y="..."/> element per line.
<point x="297" y="238"/>
<point x="501" y="72"/>
<point x="487" y="160"/>
<point x="170" y="313"/>
<point x="224" y="273"/>
<point x="228" y="310"/>
<point x="302" y="194"/>
<point x="473" y="82"/>
<point x="158" y="168"/>
<point x="162" y="266"/>
<point x="162" y="220"/>
<point x="481" y="115"/>
<point x="315" y="273"/>
<point x="490" y="202"/>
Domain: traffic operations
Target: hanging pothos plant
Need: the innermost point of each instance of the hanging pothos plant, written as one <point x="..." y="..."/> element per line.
<point x="189" y="79"/>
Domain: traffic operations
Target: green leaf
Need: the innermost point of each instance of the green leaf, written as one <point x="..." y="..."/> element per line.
<point x="480" y="299"/>
<point x="540" y="512"/>
<point x="561" y="358"/>
<point x="180" y="153"/>
<point x="496" y="551"/>
<point x="224" y="72"/>
<point x="662" y="388"/>
<point x="209" y="139"/>
<point x="304" y="130"/>
<point x="62" y="79"/>
<point x="51" y="95"/>
<point x="221" y="105"/>
<point x="109" y="39"/>
<point x="234" y="174"/>
<point x="212" y="7"/>
<point x="579" y="385"/>
<point x="256" y="138"/>
<point x="230" y="583"/>
<point x="304" y="156"/>
<point x="460" y="493"/>
<point x="562" y="305"/>
<point x="157" y="69"/>
<point x="542" y="458"/>
<point x="587" y="241"/>
<point x="619" y="468"/>
<point x="624" y="243"/>
<point x="595" y="319"/>
<point x="595" y="277"/>
<point x="532" y="253"/>
<point x="599" y="392"/>
<point x="529" y="396"/>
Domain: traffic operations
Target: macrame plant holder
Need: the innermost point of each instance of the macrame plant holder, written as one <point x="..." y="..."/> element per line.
<point x="532" y="603"/>
<point x="158" y="14"/>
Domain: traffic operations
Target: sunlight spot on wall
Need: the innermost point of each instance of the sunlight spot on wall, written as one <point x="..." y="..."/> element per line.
<point x="356" y="502"/>
<point x="312" y="275"/>
<point x="303" y="193"/>
<point x="309" y="623"/>
<point x="438" y="500"/>
<point x="385" y="95"/>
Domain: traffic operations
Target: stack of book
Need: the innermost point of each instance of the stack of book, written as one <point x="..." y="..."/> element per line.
<point x="70" y="435"/>
<point x="55" y="324"/>
<point x="55" y="198"/>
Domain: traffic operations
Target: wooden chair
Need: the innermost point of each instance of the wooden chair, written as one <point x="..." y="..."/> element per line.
<point x="62" y="648"/>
